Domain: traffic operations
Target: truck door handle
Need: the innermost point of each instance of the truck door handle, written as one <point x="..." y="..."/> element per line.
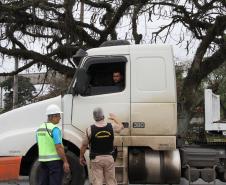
<point x="125" y="124"/>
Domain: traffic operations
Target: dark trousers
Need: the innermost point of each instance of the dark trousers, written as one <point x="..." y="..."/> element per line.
<point x="51" y="173"/>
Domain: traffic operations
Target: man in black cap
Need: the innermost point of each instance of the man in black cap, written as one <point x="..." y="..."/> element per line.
<point x="100" y="138"/>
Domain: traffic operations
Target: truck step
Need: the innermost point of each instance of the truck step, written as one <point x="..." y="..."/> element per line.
<point x="119" y="174"/>
<point x="121" y="165"/>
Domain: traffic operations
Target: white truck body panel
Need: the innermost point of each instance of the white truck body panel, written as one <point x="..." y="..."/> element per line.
<point x="18" y="127"/>
<point x="113" y="50"/>
<point x="152" y="74"/>
<point x="73" y="135"/>
<point x="153" y="90"/>
<point x="67" y="107"/>
<point x="159" y="119"/>
<point x="212" y="112"/>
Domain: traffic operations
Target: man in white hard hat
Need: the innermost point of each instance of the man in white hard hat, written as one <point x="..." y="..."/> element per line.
<point x="51" y="151"/>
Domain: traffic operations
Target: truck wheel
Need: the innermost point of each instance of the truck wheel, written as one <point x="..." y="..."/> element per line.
<point x="76" y="176"/>
<point x="33" y="178"/>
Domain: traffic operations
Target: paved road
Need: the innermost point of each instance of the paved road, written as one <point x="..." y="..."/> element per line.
<point x="24" y="181"/>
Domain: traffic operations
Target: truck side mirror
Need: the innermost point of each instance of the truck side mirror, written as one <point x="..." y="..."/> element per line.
<point x="81" y="82"/>
<point x="78" y="56"/>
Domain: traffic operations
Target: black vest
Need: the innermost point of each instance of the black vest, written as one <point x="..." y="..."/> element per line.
<point x="101" y="141"/>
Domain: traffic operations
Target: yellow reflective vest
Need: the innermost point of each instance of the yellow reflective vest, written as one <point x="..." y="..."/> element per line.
<point x="46" y="146"/>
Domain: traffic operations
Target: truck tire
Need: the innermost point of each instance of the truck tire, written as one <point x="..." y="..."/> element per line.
<point x="33" y="178"/>
<point x="76" y="176"/>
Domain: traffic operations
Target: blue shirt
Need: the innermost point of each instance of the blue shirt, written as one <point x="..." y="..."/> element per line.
<point x="56" y="134"/>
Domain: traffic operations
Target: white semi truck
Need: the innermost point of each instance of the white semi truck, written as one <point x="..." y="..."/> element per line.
<point x="147" y="106"/>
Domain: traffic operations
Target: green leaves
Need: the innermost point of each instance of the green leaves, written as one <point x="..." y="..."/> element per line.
<point x="25" y="92"/>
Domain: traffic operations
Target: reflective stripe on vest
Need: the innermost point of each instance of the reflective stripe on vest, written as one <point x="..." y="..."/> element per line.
<point x="47" y="150"/>
<point x="48" y="157"/>
<point x="44" y="129"/>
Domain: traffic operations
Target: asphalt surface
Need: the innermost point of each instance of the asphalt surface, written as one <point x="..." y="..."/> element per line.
<point x="24" y="181"/>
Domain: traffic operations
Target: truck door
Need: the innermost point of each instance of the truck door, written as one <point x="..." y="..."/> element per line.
<point x="153" y="91"/>
<point x="102" y="92"/>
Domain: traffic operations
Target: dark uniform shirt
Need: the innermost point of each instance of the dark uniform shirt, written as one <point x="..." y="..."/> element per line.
<point x="101" y="141"/>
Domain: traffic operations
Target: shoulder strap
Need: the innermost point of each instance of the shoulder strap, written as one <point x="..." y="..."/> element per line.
<point x="50" y="134"/>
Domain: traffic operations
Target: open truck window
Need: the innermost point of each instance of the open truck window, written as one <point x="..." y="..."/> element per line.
<point x="100" y="73"/>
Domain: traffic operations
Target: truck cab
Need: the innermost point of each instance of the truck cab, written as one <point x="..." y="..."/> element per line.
<point x="149" y="89"/>
<point x="146" y="104"/>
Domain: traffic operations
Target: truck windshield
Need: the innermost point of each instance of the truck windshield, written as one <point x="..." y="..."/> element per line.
<point x="72" y="84"/>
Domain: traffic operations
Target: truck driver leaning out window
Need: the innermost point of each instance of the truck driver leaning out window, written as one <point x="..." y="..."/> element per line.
<point x="100" y="138"/>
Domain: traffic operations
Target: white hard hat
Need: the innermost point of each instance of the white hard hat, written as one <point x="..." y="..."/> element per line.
<point x="53" y="109"/>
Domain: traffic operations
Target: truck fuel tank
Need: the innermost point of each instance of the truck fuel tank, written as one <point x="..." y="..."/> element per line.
<point x="147" y="166"/>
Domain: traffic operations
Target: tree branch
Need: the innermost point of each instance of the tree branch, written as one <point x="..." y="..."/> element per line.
<point x="39" y="58"/>
<point x="137" y="37"/>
